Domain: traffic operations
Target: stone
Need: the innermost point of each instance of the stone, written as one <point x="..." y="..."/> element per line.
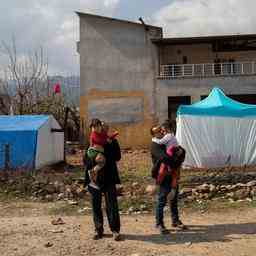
<point x="143" y="207"/>
<point x="58" y="221"/>
<point x="205" y="188"/>
<point x="186" y="191"/>
<point x="241" y="194"/>
<point x="119" y="190"/>
<point x="253" y="192"/>
<point x="71" y="202"/>
<point x="80" y="192"/>
<point x="48" y="245"/>
<point x="131" y="209"/>
<point x="50" y="188"/>
<point x="135" y="185"/>
<point x="151" y="190"/>
<point x="212" y="188"/>
<point x="49" y="197"/>
<point x="60" y="196"/>
<point x="251" y="183"/>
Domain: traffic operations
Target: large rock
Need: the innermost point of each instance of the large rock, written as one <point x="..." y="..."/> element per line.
<point x="119" y="190"/>
<point x="135" y="185"/>
<point x="151" y="190"/>
<point x="50" y="188"/>
<point x="241" y="194"/>
<point x="80" y="192"/>
<point x="205" y="188"/>
<point x="251" y="183"/>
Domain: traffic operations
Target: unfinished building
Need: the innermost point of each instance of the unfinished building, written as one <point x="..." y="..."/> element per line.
<point x="131" y="76"/>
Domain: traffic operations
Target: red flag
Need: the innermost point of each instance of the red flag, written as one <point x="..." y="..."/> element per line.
<point x="56" y="88"/>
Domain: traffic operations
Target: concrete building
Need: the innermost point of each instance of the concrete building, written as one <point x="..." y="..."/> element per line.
<point x="132" y="77"/>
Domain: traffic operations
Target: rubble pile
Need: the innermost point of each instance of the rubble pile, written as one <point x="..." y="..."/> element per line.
<point x="234" y="192"/>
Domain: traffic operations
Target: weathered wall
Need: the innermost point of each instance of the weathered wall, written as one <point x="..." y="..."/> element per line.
<point x="195" y="87"/>
<point x="118" y="66"/>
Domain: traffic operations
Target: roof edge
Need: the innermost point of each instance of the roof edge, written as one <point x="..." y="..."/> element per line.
<point x="114" y="19"/>
<point x="202" y="39"/>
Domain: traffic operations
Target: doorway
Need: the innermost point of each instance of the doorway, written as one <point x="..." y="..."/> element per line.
<point x="173" y="104"/>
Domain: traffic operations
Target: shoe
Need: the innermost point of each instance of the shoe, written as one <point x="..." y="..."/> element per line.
<point x="97" y="236"/>
<point x="162" y="229"/>
<point x="179" y="225"/>
<point x="116" y="236"/>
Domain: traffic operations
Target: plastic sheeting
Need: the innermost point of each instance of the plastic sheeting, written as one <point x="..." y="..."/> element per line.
<point x="217" y="141"/>
<point x="22" y="146"/>
<point x="31" y="142"/>
<point x="50" y="145"/>
<point x="218" y="104"/>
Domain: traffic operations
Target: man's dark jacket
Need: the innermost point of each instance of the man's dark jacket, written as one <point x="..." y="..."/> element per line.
<point x="109" y="174"/>
<point x="158" y="154"/>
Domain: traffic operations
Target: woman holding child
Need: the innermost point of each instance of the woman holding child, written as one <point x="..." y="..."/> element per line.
<point x="101" y="177"/>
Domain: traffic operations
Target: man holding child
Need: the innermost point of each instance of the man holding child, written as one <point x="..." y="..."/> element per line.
<point x="167" y="158"/>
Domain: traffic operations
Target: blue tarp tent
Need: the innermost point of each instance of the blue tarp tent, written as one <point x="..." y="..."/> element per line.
<point x="217" y="131"/>
<point x="32" y="144"/>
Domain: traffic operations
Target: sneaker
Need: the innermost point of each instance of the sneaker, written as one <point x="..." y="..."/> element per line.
<point x="116" y="236"/>
<point x="97" y="236"/>
<point x="179" y="225"/>
<point x="162" y="229"/>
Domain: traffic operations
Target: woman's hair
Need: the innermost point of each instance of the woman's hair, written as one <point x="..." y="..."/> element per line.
<point x="95" y="122"/>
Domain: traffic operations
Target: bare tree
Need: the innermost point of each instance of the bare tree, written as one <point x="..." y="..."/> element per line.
<point x="33" y="92"/>
<point x="27" y="72"/>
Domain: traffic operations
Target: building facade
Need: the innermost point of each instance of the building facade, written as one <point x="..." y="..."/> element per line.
<point x="132" y="77"/>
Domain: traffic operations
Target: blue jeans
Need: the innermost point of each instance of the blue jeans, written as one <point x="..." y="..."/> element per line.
<point x="164" y="190"/>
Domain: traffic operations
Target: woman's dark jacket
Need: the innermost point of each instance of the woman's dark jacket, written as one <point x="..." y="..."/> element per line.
<point x="109" y="174"/>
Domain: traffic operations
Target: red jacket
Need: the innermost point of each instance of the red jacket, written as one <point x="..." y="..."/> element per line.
<point x="101" y="139"/>
<point x="163" y="171"/>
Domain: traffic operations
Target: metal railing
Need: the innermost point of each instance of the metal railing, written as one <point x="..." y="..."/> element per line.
<point x="207" y="69"/>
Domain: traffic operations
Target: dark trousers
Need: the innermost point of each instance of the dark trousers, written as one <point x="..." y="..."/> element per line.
<point x="162" y="196"/>
<point x="111" y="208"/>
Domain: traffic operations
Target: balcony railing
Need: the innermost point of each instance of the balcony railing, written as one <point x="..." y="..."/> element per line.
<point x="207" y="69"/>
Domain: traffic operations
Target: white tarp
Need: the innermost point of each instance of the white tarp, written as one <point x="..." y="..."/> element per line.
<point x="215" y="141"/>
<point x="50" y="145"/>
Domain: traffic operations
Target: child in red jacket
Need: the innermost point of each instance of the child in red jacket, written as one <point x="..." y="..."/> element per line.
<point x="98" y="139"/>
<point x="177" y="154"/>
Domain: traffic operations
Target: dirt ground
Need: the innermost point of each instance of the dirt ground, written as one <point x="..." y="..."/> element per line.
<point x="26" y="229"/>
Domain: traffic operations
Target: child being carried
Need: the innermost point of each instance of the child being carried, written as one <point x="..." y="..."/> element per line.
<point x="176" y="153"/>
<point x="98" y="139"/>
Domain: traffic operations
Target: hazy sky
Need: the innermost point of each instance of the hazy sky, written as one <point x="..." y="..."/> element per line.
<point x="54" y="25"/>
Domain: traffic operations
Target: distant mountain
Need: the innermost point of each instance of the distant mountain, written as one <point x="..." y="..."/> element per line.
<point x="70" y="87"/>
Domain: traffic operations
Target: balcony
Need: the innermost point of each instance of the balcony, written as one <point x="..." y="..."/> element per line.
<point x="207" y="70"/>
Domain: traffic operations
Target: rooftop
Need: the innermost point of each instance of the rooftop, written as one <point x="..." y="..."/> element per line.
<point x="81" y="14"/>
<point x="203" y="39"/>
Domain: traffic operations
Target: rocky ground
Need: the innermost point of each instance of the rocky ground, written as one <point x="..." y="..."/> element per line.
<point x="218" y="204"/>
<point x="29" y="230"/>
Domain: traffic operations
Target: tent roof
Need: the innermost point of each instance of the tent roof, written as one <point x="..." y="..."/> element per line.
<point x="22" y="122"/>
<point x="218" y="104"/>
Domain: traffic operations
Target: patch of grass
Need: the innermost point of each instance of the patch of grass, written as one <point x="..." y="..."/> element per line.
<point x="135" y="175"/>
<point x="125" y="204"/>
<point x="216" y="205"/>
<point x="65" y="209"/>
